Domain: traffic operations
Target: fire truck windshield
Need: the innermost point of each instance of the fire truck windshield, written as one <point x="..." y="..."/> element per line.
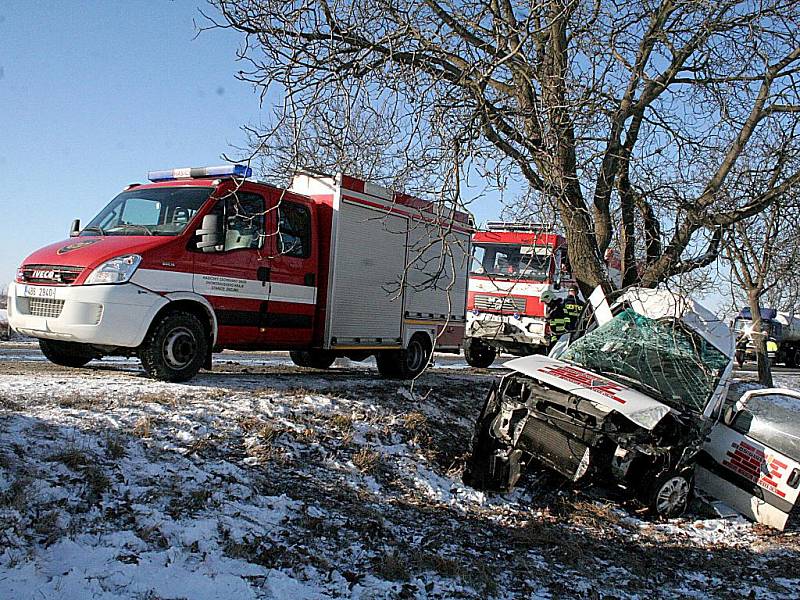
<point x="161" y="211"/>
<point x="512" y="260"/>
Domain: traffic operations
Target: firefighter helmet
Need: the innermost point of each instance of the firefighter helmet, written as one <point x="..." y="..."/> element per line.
<point x="547" y="297"/>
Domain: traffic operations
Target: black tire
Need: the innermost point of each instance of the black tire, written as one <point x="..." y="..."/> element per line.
<point x="67" y="354"/>
<point x="668" y="495"/>
<point x="478" y="354"/>
<point x="314" y="359"/>
<point x="176" y="348"/>
<point x="407" y="363"/>
<point x="792" y="358"/>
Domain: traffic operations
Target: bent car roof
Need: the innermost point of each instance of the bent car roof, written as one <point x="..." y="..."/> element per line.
<point x="660" y="304"/>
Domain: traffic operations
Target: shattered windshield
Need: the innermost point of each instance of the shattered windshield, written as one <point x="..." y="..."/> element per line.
<point x="660" y="358"/>
<point x="512" y="260"/>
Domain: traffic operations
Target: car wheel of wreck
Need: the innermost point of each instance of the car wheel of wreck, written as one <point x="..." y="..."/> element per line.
<point x="669" y="494"/>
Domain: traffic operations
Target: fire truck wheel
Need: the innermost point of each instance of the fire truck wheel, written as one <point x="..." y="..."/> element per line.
<point x="407" y="363"/>
<point x="669" y="493"/>
<point x="67" y="354"/>
<point x="176" y="348"/>
<point x="477" y="354"/>
<point x="314" y="359"/>
<point x="793" y="358"/>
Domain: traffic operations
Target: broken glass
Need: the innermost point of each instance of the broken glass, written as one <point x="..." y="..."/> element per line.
<point x="661" y="358"/>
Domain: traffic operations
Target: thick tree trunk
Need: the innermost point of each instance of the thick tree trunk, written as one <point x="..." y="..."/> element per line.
<point x="584" y="256"/>
<point x="760" y="342"/>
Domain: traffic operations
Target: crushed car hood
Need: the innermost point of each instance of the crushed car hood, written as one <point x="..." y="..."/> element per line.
<point x="611" y="395"/>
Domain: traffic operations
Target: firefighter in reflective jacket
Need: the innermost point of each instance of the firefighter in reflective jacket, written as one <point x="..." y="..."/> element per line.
<point x="573" y="306"/>
<point x="556" y="316"/>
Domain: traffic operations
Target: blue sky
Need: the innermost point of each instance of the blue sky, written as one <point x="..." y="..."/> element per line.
<point x="95" y="94"/>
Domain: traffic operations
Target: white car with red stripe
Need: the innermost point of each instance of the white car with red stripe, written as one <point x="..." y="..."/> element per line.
<point x="204" y="259"/>
<point x="752" y="458"/>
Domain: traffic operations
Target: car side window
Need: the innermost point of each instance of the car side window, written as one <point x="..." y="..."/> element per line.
<point x="244" y="221"/>
<point x="742" y="421"/>
<point x="294" y="230"/>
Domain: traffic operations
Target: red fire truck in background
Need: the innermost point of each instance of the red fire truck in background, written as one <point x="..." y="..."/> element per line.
<point x="204" y="259"/>
<point x="513" y="264"/>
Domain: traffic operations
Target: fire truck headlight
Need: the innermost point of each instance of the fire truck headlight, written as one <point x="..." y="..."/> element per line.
<point x="116" y="270"/>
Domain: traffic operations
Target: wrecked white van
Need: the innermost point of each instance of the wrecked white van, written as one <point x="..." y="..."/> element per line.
<point x="629" y="398"/>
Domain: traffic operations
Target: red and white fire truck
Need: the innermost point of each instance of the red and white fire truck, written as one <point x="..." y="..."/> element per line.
<point x="513" y="264"/>
<point x="204" y="259"/>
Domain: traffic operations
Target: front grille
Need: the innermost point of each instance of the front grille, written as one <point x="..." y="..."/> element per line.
<point x="553" y="447"/>
<point x="45" y="307"/>
<point x="53" y="274"/>
<point x="500" y="303"/>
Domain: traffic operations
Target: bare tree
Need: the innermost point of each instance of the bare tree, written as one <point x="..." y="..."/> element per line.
<point x="630" y="116"/>
<point x="763" y="252"/>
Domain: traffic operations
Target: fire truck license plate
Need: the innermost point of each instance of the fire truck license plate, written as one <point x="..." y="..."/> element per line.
<point x="38" y="291"/>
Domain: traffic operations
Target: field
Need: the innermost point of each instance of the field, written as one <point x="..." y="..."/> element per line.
<point x="264" y="480"/>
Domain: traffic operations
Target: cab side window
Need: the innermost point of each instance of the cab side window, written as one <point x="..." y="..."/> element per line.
<point x="244" y="221"/>
<point x="294" y="230"/>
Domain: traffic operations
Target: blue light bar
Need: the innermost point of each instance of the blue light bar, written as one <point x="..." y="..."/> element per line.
<point x="196" y="172"/>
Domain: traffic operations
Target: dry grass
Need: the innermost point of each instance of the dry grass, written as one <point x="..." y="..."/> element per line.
<point x="16" y="496"/>
<point x="115" y="445"/>
<point x="415" y="421"/>
<point x="142" y="427"/>
<point x="366" y="460"/>
<point x="264" y="448"/>
<point x="249" y="424"/>
<point x="392" y="567"/>
<point x="47" y="526"/>
<point x="97" y="483"/>
<point x="427" y="561"/>
<point x="343" y="423"/>
<point x="152" y="535"/>
<point x="72" y="457"/>
<point x="96" y="480"/>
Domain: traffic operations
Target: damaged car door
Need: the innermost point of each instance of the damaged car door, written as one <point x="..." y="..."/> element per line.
<point x="752" y="458"/>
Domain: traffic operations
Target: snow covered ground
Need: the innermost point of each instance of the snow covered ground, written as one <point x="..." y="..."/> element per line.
<point x="262" y="480"/>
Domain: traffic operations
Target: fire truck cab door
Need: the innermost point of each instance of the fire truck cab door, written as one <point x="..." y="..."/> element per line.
<point x="293" y="272"/>
<point x="750" y="460"/>
<point x="229" y="277"/>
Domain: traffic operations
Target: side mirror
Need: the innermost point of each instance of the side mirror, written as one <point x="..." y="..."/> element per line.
<point x="75" y="228"/>
<point x="210" y="234"/>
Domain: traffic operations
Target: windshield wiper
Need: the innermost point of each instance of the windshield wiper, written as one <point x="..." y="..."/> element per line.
<point x="134" y="225"/>
<point x="99" y="230"/>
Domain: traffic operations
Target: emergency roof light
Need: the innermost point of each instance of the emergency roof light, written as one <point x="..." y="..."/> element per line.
<point x="519" y="226"/>
<point x="194" y="172"/>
